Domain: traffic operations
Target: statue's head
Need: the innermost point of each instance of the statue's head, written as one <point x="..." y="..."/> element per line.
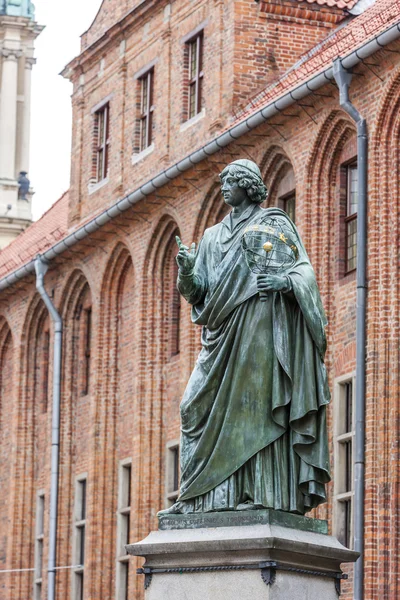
<point x="247" y="176"/>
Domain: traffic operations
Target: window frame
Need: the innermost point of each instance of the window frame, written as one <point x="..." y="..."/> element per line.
<point x="172" y="472"/>
<point x="79" y="536"/>
<point x="146" y="112"/>
<point x="195" y="81"/>
<point x="350" y="217"/>
<point x="102" y="142"/>
<point x="124" y="512"/>
<point x="283" y="203"/>
<point x="343" y="497"/>
<point x="39" y="545"/>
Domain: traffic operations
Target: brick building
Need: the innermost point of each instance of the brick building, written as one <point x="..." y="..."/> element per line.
<point x="164" y="95"/>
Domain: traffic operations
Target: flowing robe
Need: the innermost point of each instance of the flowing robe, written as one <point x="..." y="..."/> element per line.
<point x="254" y="411"/>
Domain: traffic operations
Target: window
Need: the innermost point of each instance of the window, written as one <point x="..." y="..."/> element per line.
<point x="146" y="109"/>
<point x="351" y="216"/>
<point x="79" y="536"/>
<point x="195" y="73"/>
<point x="289" y="206"/>
<point x="102" y="141"/>
<point x="39" y="540"/>
<point x="172" y="472"/>
<point x="286" y="192"/>
<point x="123" y="529"/>
<point x="87" y="349"/>
<point x="344" y="435"/>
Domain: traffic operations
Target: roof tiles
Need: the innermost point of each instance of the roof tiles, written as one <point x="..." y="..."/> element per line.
<point x="37" y="238"/>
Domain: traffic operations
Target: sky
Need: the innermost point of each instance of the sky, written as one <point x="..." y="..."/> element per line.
<point x="51" y="96"/>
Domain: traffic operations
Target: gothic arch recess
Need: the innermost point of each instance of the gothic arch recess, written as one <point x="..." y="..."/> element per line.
<point x="158" y="297"/>
<point x="77" y="381"/>
<point x="115" y="403"/>
<point x="321" y="224"/>
<point x="6" y="398"/>
<point x="33" y="433"/>
<point x="212" y="211"/>
<point x="275" y="165"/>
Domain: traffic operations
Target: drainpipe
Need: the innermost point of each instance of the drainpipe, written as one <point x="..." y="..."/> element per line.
<point x="41" y="267"/>
<point x="343" y="80"/>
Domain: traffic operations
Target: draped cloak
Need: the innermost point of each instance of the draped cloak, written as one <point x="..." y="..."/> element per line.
<point x="253" y="416"/>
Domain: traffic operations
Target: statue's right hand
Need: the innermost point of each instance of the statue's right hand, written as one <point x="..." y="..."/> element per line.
<point x="186" y="257"/>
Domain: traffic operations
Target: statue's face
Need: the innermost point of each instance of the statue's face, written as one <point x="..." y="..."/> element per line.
<point x="232" y="193"/>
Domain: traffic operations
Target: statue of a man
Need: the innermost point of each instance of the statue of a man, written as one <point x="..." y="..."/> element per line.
<point x="253" y="416"/>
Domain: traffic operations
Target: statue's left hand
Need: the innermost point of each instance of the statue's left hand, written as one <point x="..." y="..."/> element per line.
<point x="271" y="283"/>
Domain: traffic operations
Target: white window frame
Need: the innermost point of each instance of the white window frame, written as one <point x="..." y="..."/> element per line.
<point x="123" y="517"/>
<point x="39" y="545"/>
<point x="79" y="529"/>
<point x="342" y="497"/>
<point x="171" y="495"/>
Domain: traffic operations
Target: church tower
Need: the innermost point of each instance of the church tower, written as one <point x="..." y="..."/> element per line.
<point x="18" y="30"/>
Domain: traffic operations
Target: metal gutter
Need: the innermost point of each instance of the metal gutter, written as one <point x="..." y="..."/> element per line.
<point x="232" y="134"/>
<point x="41" y="266"/>
<point x="343" y="79"/>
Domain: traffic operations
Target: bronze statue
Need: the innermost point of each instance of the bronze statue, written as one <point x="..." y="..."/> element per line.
<point x="253" y="416"/>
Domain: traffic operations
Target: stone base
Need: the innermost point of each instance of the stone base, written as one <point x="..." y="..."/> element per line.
<point x="272" y="559"/>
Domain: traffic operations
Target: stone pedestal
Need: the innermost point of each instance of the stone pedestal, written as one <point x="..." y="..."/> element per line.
<point x="241" y="556"/>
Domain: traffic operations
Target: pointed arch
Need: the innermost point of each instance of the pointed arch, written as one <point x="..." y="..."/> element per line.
<point x="78" y="385"/>
<point x="278" y="175"/>
<point x="161" y="387"/>
<point x="115" y="413"/>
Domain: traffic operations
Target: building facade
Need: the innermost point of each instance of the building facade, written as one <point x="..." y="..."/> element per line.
<point x="165" y="94"/>
<point x="18" y="31"/>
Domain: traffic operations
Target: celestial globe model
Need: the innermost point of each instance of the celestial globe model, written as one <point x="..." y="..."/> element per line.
<point x="269" y="246"/>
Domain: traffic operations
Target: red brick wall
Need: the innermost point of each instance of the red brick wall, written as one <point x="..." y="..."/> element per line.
<point x="6" y="398"/>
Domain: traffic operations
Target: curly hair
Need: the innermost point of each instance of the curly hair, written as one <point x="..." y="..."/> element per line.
<point x="255" y="188"/>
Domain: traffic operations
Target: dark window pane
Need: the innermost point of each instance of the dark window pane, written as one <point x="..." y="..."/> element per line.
<point x="349" y="467"/>
<point x="349" y="406"/>
<point x="290" y="207"/>
<point x="82" y="531"/>
<point x="128" y="474"/>
<point x="348" y="524"/>
<point x="83" y="499"/>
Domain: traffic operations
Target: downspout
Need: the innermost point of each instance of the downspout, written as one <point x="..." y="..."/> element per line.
<point x="41" y="267"/>
<point x="343" y="80"/>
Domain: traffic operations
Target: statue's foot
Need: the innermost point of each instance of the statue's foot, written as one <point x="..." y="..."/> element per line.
<point x="175" y="509"/>
<point x="246" y="506"/>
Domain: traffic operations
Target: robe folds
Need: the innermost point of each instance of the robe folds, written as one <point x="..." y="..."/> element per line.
<point x="253" y="416"/>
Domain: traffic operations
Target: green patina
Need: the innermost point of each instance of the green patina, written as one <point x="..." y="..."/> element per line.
<point x="17" y="8"/>
<point x="253" y="416"/>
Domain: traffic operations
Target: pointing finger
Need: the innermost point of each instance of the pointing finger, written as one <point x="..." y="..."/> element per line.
<point x="193" y="248"/>
<point x="178" y="241"/>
